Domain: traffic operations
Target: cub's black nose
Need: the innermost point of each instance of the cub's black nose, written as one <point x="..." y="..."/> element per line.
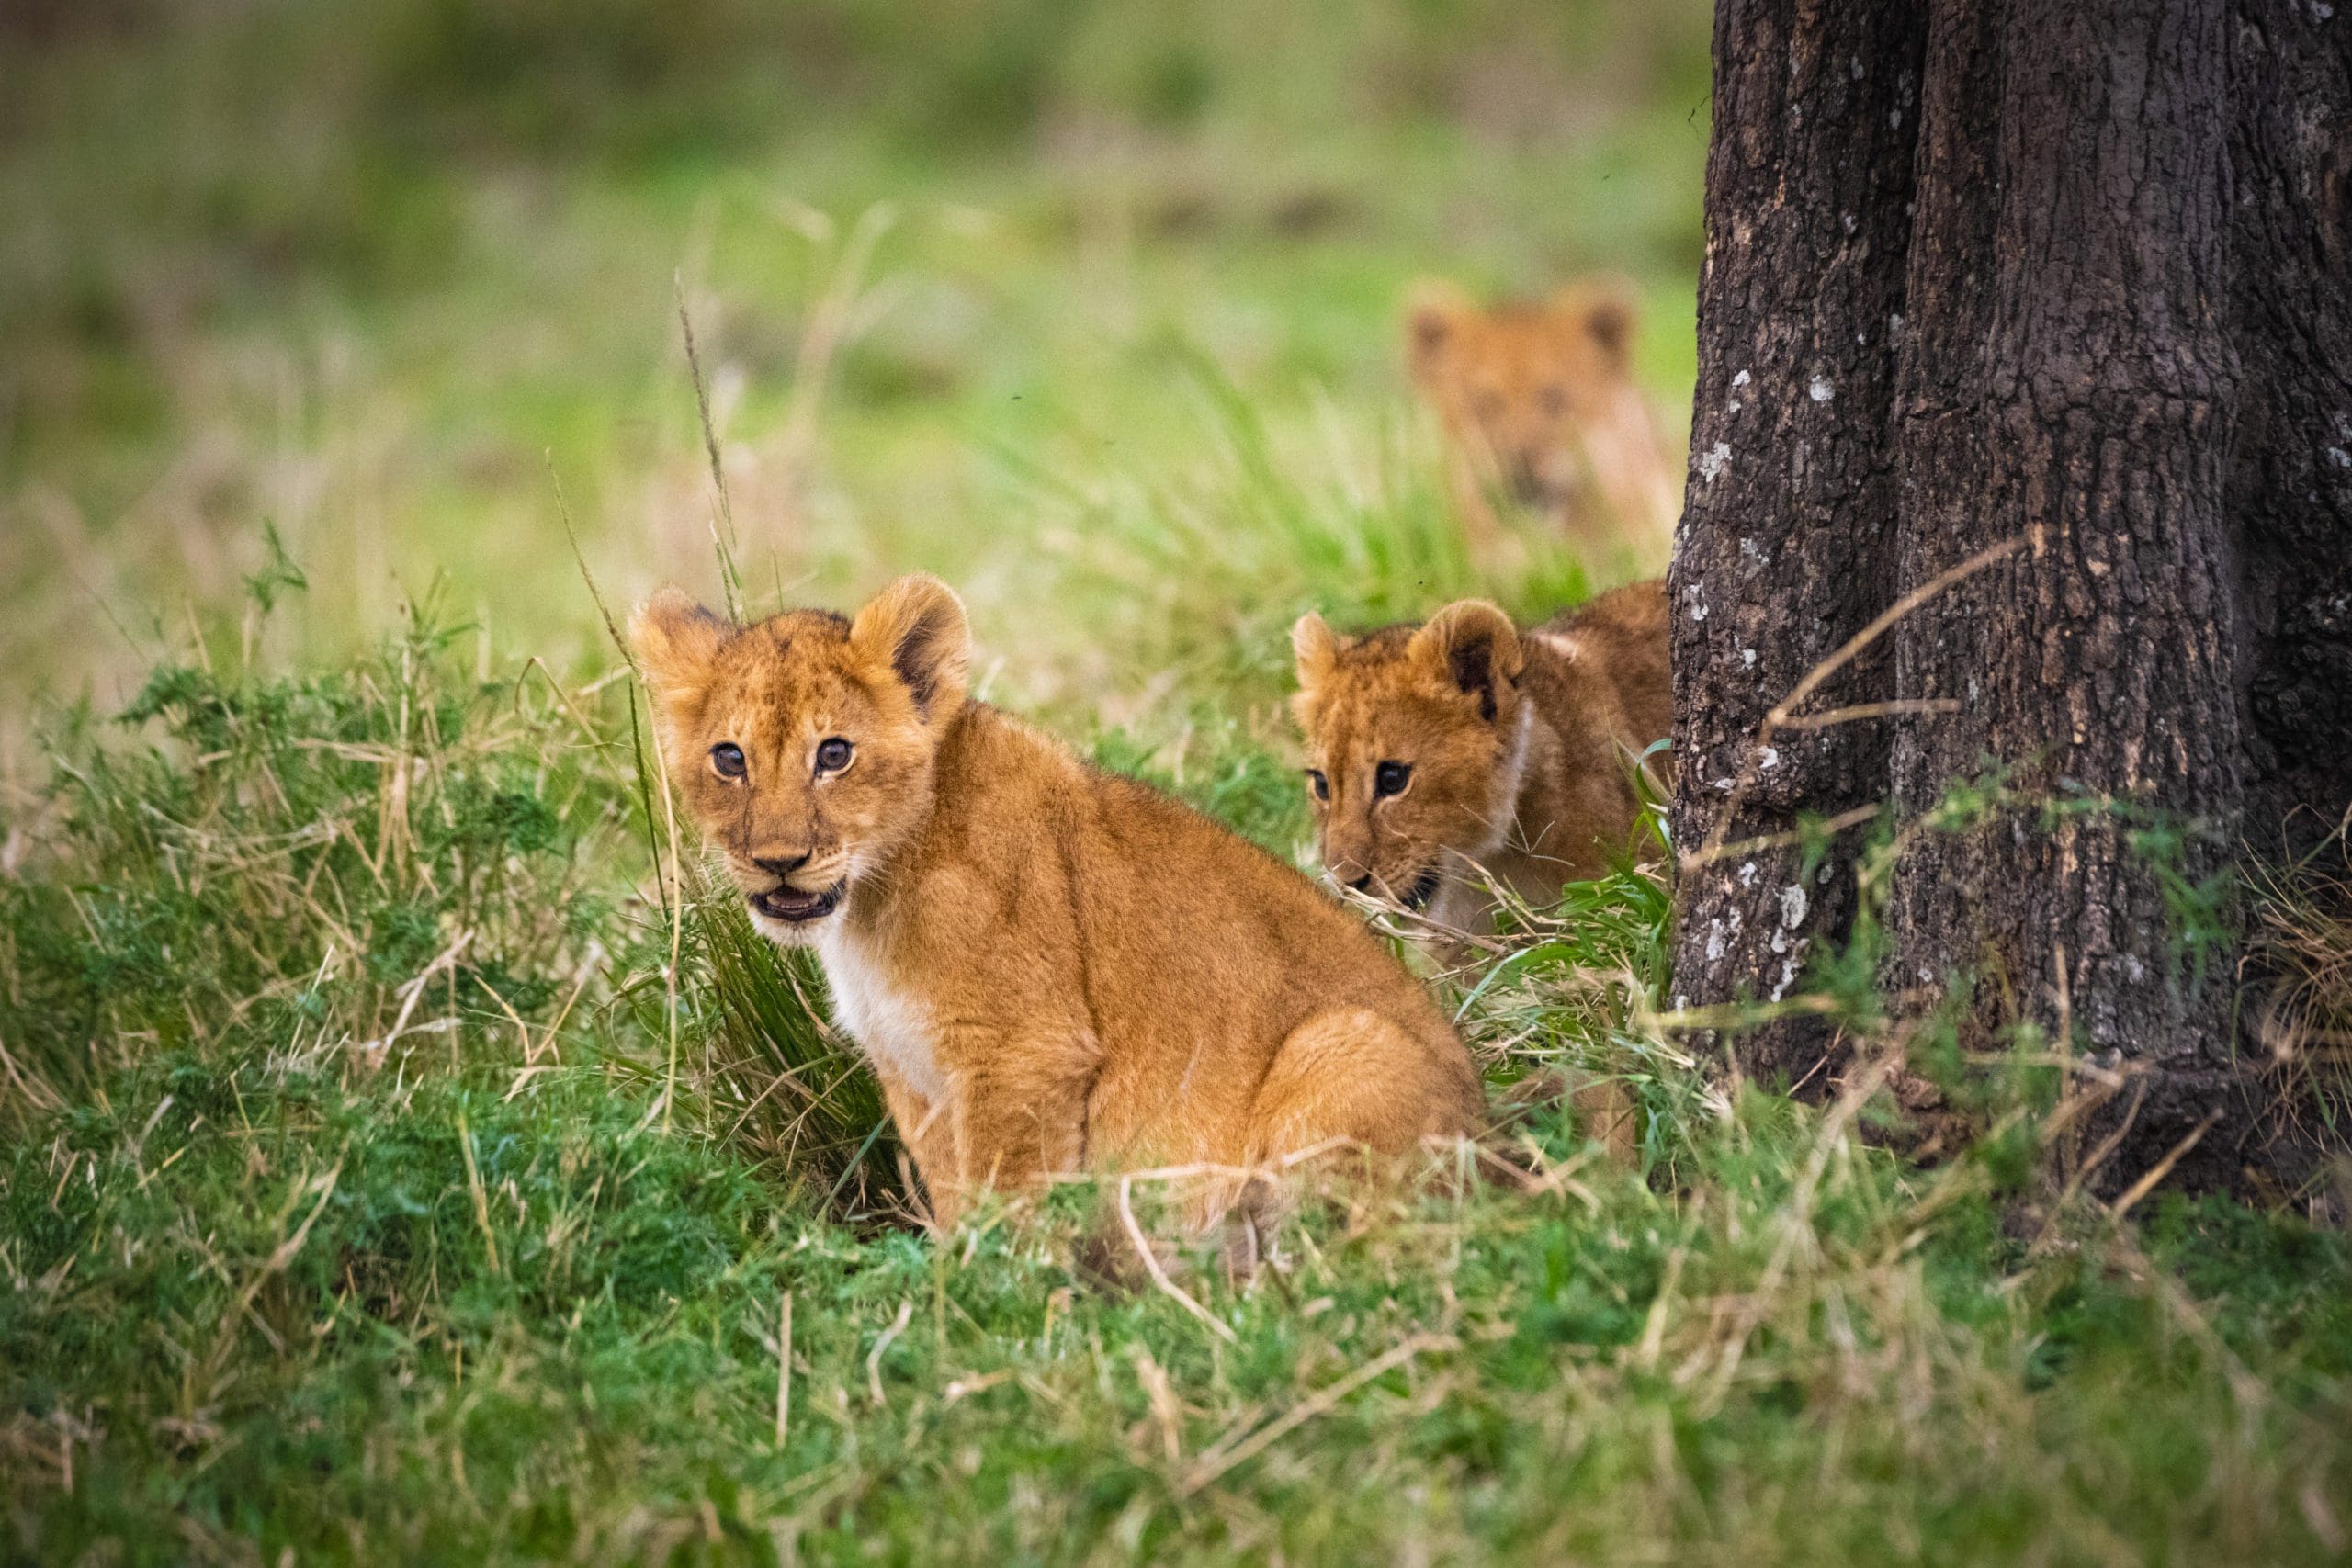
<point x="780" y="867"/>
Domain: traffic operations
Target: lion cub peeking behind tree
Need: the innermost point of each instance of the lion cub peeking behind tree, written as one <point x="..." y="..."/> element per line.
<point x="1052" y="969"/>
<point x="1442" y="754"/>
<point x="1538" y="400"/>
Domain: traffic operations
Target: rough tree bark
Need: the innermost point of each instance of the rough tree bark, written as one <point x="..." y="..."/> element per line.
<point x="2290" y="489"/>
<point x="2066" y="380"/>
<point x="1786" y="542"/>
<point x="2088" y="292"/>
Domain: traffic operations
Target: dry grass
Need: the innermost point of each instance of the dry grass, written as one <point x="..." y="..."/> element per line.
<point x="2303" y="944"/>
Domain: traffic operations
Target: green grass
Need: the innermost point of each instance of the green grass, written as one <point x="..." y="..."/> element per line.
<point x="403" y="1156"/>
<point x="326" y="1230"/>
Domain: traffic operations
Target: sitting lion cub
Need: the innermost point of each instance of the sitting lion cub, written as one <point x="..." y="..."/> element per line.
<point x="1052" y="969"/>
<point x="1437" y="751"/>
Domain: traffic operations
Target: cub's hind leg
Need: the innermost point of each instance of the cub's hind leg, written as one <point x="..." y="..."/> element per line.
<point x="1355" y="1079"/>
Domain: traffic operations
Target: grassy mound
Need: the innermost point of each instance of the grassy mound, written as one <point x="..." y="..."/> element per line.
<point x="373" y="1192"/>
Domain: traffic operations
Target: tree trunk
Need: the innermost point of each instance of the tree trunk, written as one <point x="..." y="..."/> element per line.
<point x="2289" y="490"/>
<point x="2290" y="494"/>
<point x="2067" y="381"/>
<point x="2090" y="295"/>
<point x="1786" y="541"/>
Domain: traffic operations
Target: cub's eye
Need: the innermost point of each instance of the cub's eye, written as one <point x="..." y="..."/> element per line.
<point x="1390" y="778"/>
<point x="833" y="754"/>
<point x="727" y="760"/>
<point x="1319" y="783"/>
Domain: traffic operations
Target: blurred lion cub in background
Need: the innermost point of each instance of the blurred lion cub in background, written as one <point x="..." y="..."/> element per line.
<point x="1052" y="969"/>
<point x="1539" y="400"/>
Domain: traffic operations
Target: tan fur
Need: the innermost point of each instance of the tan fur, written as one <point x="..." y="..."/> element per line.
<point x="1540" y="401"/>
<point x="1521" y="746"/>
<point x="1051" y="968"/>
<point x="1518" y="744"/>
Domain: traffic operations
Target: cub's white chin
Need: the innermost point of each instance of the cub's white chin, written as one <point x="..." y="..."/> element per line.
<point x="787" y="934"/>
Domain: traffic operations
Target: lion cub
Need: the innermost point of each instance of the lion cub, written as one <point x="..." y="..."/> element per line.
<point x="1539" y="400"/>
<point x="1052" y="969"/>
<point x="1438" y="750"/>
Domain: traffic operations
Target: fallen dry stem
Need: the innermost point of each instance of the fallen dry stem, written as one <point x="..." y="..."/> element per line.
<point x="1795" y="1219"/>
<point x="1892" y="707"/>
<point x="1222" y="1457"/>
<point x="883" y="1342"/>
<point x="1167" y="1287"/>
<point x="1853" y="817"/>
<point x="1781" y="715"/>
<point x="2163" y="1167"/>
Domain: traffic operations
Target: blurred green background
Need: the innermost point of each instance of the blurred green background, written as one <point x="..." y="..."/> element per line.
<point x="1023" y="291"/>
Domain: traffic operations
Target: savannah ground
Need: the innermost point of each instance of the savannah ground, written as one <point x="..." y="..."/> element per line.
<point x="397" y="1165"/>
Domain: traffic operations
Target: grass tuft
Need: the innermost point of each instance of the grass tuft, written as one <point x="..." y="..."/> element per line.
<point x="2301" y="938"/>
<point x="795" y="1094"/>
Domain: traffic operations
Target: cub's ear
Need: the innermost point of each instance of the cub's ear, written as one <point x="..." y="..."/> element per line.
<point x="1434" y="313"/>
<point x="1475" y="646"/>
<point x="1314" y="651"/>
<point x="917" y="629"/>
<point x="1602" y="309"/>
<point x="675" y="640"/>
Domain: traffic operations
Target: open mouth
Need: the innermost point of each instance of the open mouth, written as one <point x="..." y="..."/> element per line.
<point x="793" y="906"/>
<point x="1423" y="890"/>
